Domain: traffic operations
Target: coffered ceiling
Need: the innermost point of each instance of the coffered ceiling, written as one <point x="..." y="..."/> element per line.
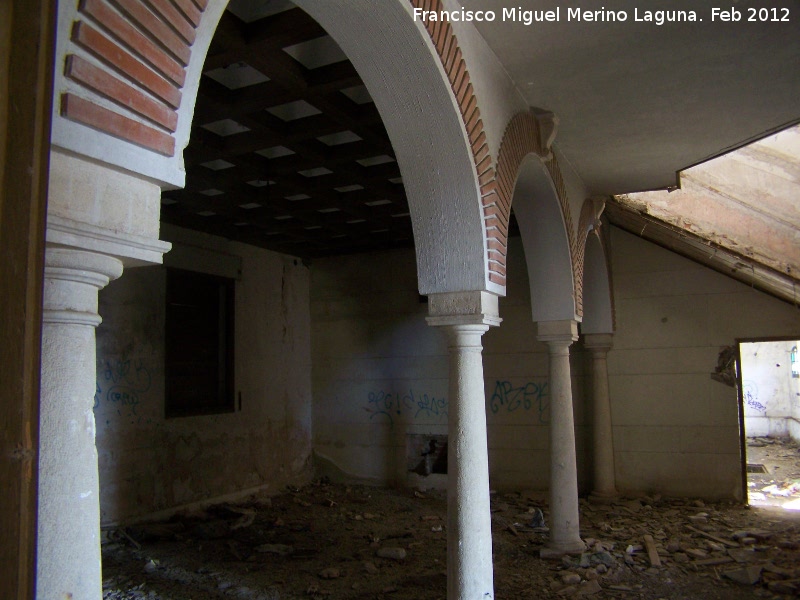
<point x="288" y="151"/>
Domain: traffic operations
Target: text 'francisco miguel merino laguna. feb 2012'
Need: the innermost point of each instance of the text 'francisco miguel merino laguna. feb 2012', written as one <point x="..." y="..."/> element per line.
<point x="577" y="14"/>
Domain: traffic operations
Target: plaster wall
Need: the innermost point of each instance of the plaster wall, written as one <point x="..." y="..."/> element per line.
<point x="675" y="429"/>
<point x="794" y="423"/>
<point x="149" y="464"/>
<point x="770" y="391"/>
<point x="380" y="375"/>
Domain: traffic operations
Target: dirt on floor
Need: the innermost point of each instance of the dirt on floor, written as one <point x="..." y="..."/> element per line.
<point x="328" y="541"/>
<point x="773" y="477"/>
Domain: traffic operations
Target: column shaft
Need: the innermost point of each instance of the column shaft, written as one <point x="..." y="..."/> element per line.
<point x="603" y="443"/>
<point x="564" y="509"/>
<point x="469" y="527"/>
<point x="68" y="553"/>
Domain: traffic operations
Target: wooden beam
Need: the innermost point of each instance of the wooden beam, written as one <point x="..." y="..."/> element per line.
<point x="27" y="33"/>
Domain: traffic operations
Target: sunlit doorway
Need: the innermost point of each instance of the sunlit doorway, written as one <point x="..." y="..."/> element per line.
<point x="770" y="400"/>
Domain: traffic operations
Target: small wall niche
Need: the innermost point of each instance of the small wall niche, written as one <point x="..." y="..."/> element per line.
<point x="427" y="454"/>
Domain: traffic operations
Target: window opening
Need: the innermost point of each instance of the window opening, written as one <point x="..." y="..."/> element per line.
<point x="199" y="339"/>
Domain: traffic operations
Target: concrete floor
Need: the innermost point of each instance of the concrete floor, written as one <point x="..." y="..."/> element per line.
<point x="780" y="485"/>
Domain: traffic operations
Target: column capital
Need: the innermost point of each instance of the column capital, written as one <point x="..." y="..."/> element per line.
<point x="72" y="279"/>
<point x="463" y="308"/>
<point x="598" y="341"/>
<point x="80" y="266"/>
<point x="557" y="331"/>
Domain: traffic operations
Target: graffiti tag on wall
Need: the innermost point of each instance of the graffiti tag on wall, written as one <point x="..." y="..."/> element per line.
<point x="382" y="404"/>
<point x="123" y="384"/>
<point x="531" y="396"/>
<point x="506" y="398"/>
<point x="750" y="393"/>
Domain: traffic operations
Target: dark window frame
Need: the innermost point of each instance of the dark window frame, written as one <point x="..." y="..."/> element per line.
<point x="199" y="338"/>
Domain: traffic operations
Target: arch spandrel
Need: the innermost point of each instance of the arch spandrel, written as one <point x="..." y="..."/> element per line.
<point x="126" y="99"/>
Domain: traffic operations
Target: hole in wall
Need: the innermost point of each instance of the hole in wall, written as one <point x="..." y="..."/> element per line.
<point x="427" y="454"/>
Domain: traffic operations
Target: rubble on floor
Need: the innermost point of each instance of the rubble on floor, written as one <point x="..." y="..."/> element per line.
<point x="328" y="541"/>
<point x="773" y="477"/>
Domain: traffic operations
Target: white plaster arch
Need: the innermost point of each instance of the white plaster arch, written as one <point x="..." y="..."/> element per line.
<point x="598" y="308"/>
<point x="546" y="243"/>
<point x="402" y="71"/>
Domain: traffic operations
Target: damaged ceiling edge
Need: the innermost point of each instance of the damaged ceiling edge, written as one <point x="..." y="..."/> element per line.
<point x="632" y="218"/>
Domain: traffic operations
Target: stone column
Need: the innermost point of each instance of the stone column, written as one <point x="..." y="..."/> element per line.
<point x="564" y="510"/>
<point x="464" y="319"/>
<point x="605" y="487"/>
<point x="68" y="555"/>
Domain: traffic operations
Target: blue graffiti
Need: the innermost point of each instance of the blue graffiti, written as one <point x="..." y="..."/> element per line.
<point x="416" y="405"/>
<point x="128" y="382"/>
<point x="508" y="398"/>
<point x="751" y="396"/>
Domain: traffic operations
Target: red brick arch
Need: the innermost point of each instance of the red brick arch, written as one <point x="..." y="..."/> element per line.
<point x="590" y="219"/>
<point x="521" y="138"/>
<point x="132" y="87"/>
<point x="139" y="53"/>
<point x="494" y="214"/>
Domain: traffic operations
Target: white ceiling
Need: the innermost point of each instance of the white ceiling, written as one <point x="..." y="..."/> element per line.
<point x="639" y="102"/>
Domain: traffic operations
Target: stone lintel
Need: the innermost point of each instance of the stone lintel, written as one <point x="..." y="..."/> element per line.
<point x="557" y="331"/>
<point x="598" y="340"/>
<point x="463" y="308"/>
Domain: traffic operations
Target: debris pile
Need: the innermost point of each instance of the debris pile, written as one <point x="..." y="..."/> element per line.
<point x="328" y="541"/>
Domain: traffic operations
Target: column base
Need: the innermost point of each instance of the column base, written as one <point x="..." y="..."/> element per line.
<point x="555" y="551"/>
<point x="597" y="497"/>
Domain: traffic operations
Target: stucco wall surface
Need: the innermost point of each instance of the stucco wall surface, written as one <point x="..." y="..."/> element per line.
<point x="150" y="464"/>
<point x="380" y="374"/>
<point x="675" y="429"/>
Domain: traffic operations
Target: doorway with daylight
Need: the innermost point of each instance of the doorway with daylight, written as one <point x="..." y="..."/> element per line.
<point x="769" y="396"/>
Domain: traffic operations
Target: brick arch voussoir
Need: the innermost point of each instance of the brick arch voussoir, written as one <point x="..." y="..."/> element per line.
<point x="132" y="87"/>
<point x="495" y="216"/>
<point x="521" y="138"/>
<point x="590" y="219"/>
